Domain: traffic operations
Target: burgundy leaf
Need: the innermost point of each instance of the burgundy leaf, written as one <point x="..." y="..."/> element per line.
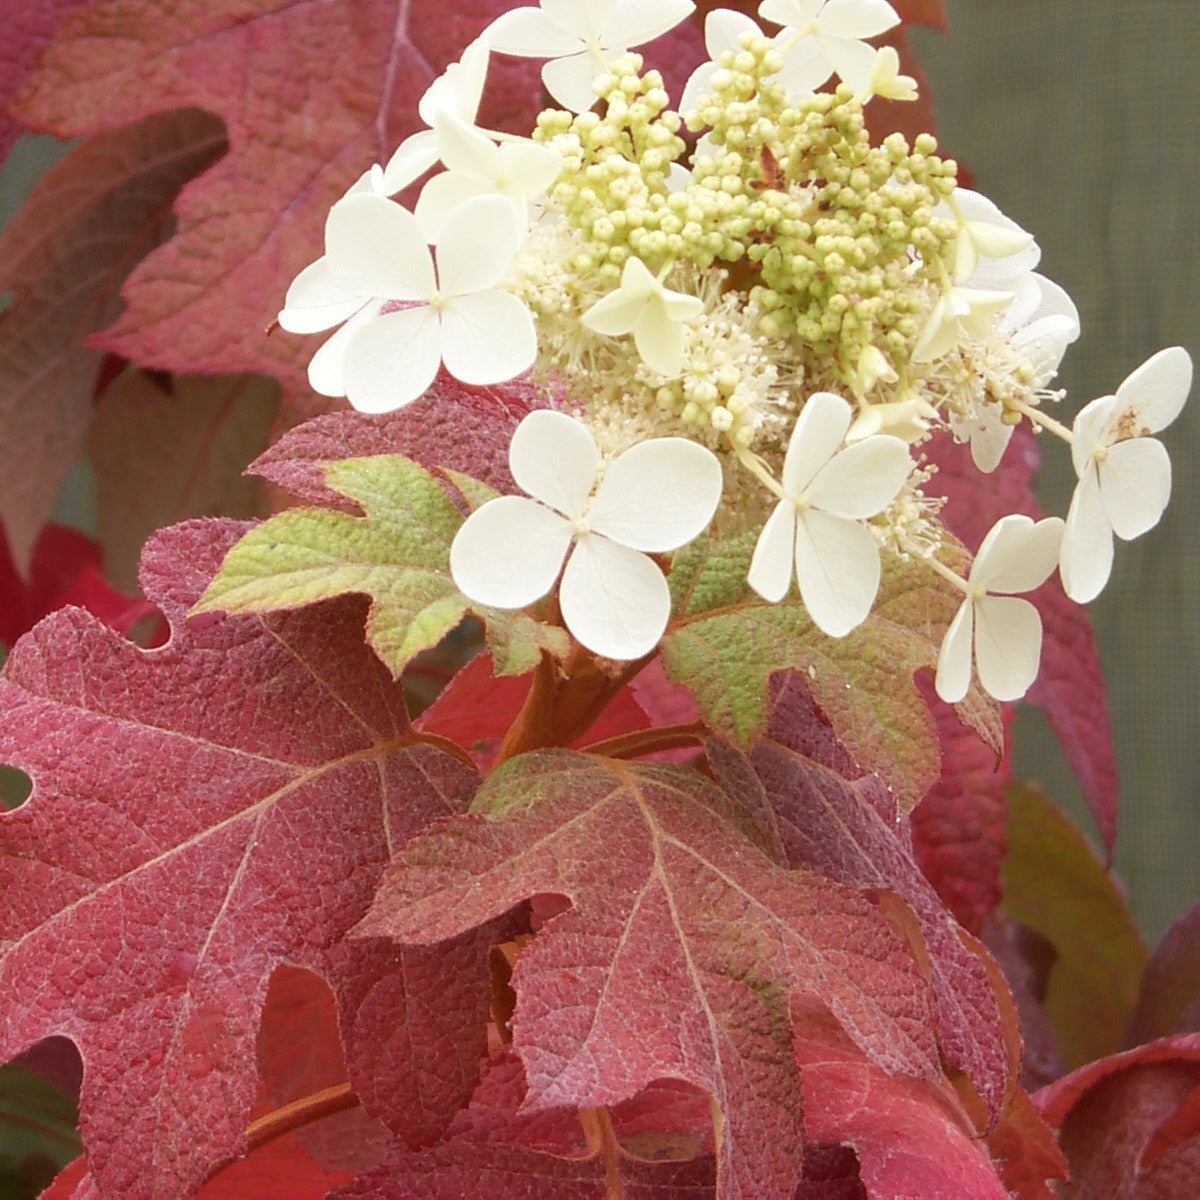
<point x="1169" y="1000"/>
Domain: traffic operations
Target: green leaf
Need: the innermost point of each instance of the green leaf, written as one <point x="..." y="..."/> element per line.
<point x="1055" y="884"/>
<point x="724" y="642"/>
<point x="398" y="554"/>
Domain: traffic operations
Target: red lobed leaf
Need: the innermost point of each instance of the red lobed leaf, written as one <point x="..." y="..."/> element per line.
<point x="497" y="1148"/>
<point x="65" y="569"/>
<point x="201" y="813"/>
<point x="958" y="829"/>
<point x="86" y="223"/>
<point x="832" y="817"/>
<point x="451" y="427"/>
<point x="1130" y="1123"/>
<point x="682" y="913"/>
<point x="1070" y="687"/>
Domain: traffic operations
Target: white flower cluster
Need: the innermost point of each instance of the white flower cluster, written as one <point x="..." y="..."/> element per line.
<point x="778" y="317"/>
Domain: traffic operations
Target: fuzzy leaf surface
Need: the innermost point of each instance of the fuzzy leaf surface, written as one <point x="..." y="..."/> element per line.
<point x="684" y="913"/>
<point x="166" y="452"/>
<point x="498" y="1148"/>
<point x="1070" y="687"/>
<point x="86" y="224"/>
<point x="398" y="554"/>
<point x="452" y="427"/>
<point x="724" y="642"/>
<point x="201" y="813"/>
<point x="832" y="817"/>
<point x="1055" y="885"/>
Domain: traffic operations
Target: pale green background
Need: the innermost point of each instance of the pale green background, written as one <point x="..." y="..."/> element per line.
<point x="1082" y="120"/>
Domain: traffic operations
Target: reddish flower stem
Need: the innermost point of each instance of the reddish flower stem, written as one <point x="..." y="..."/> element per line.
<point x="650" y="741"/>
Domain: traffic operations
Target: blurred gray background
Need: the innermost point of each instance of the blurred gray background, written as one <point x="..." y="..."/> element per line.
<point x="1082" y="121"/>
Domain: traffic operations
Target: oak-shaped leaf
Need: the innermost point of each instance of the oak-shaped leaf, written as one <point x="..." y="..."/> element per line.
<point x="498" y="1148"/>
<point x="398" y="554"/>
<point x="1055" y="884"/>
<point x="1069" y="687"/>
<point x="682" y="952"/>
<point x="724" y="642"/>
<point x="452" y="427"/>
<point x="832" y="817"/>
<point x="1129" y="1124"/>
<point x="86" y="223"/>
<point x="201" y="813"/>
<point x="166" y="450"/>
<point x="1169" y="996"/>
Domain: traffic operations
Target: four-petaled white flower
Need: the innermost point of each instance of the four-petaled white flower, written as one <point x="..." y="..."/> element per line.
<point x="887" y="81"/>
<point x="655" y="497"/>
<point x="817" y="528"/>
<point x="652" y="313"/>
<point x="581" y="37"/>
<point x="831" y="33"/>
<point x="958" y="310"/>
<point x="1001" y="633"/>
<point x="520" y="171"/>
<point x="375" y="253"/>
<point x="1124" y="474"/>
<point x="456" y="94"/>
<point x="986" y="233"/>
<point x="723" y="32"/>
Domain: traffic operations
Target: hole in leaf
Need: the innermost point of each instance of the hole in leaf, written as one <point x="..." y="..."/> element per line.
<point x="15" y="787"/>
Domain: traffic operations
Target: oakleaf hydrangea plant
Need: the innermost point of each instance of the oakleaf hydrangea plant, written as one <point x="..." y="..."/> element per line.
<point x="581" y="770"/>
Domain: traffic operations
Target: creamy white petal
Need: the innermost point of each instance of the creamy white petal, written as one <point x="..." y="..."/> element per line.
<point x="393" y="360"/>
<point x="852" y="60"/>
<point x="414" y="156"/>
<point x="463" y="148"/>
<point x="476" y="245"/>
<point x="615" y="314"/>
<point x="699" y="84"/>
<point x="1087" y="432"/>
<point x="659" y="339"/>
<point x="805" y="65"/>
<point x="774" y="560"/>
<point x="586" y="18"/>
<point x="326" y="368"/>
<point x="1008" y="645"/>
<point x="375" y="246"/>
<point x="1018" y="555"/>
<point x="459" y="89"/>
<point x="1152" y="397"/>
<point x="553" y="458"/>
<point x="487" y="337"/>
<point x="819" y="433"/>
<point x="509" y="552"/>
<point x="796" y="13"/>
<point x="635" y="22"/>
<point x="1087" y="546"/>
<point x="658" y="495"/>
<point x="569" y="80"/>
<point x="988" y="434"/>
<point x="530" y="168"/>
<point x="837" y="566"/>
<point x="316" y="301"/>
<point x="863" y="479"/>
<point x="614" y="600"/>
<point x="953" y="678"/>
<point x="940" y="334"/>
<point x="1135" y="485"/>
<point x="442" y="195"/>
<point x="529" y="33"/>
<point x="857" y="18"/>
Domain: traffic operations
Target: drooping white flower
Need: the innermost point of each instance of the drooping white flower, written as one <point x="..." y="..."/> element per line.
<point x="456" y="93"/>
<point x="985" y="233"/>
<point x="817" y="530"/>
<point x="581" y="37"/>
<point x="1040" y="323"/>
<point x="887" y="81"/>
<point x="456" y="314"/>
<point x="1000" y="633"/>
<point x="655" y="316"/>
<point x="520" y="171"/>
<point x="655" y="497"/>
<point x="831" y="33"/>
<point x="958" y="310"/>
<point x="1124" y="474"/>
<point x="723" y="32"/>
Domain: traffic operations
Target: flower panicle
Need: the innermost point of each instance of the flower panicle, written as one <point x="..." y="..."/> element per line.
<point x="768" y="325"/>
